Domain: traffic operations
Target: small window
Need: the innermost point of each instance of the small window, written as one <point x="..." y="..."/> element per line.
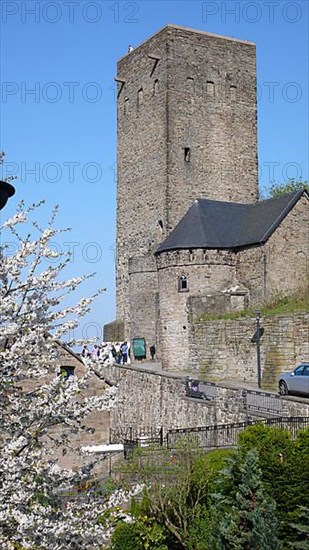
<point x="210" y="88"/>
<point x="140" y="97"/>
<point x="155" y="86"/>
<point x="126" y="105"/>
<point x="190" y="84"/>
<point x="187" y="154"/>
<point x="183" y="284"/>
<point x="233" y="92"/>
<point x="66" y="372"/>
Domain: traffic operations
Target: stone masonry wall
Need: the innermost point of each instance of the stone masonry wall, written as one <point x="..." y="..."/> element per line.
<point x="222" y="350"/>
<point x="141" y="165"/>
<point x="206" y="271"/>
<point x="281" y="266"/>
<point x="212" y="112"/>
<point x="97" y="422"/>
<point x="144" y="298"/>
<point x="114" y="332"/>
<point x="155" y="399"/>
<point x="186" y="129"/>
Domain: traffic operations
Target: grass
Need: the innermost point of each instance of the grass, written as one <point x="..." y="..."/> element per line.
<point x="298" y="303"/>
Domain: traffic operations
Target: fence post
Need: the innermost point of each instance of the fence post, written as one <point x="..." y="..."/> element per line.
<point x="245" y="402"/>
<point x="161" y="436"/>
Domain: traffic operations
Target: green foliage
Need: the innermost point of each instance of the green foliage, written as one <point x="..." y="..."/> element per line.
<point x="107" y="488"/>
<point x="247" y="516"/>
<point x="151" y="534"/>
<point x="143" y="534"/>
<point x="178" y="487"/>
<point x="278" y="189"/>
<point x="243" y="499"/>
<point x="126" y="537"/>
<point x="285" y="468"/>
<point x="226" y="316"/>
<point x="296" y="303"/>
<point x="302" y="529"/>
<point x="200" y="530"/>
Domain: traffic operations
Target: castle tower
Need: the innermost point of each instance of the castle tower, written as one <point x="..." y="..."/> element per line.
<point x="187" y="129"/>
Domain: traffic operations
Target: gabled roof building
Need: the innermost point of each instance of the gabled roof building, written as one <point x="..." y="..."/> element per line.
<point x="225" y="257"/>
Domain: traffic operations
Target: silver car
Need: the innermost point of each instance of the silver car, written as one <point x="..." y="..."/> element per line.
<point x="296" y="381"/>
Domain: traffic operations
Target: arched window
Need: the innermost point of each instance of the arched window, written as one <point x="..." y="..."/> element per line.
<point x="187" y="154"/>
<point x="183" y="285"/>
<point x="233" y="92"/>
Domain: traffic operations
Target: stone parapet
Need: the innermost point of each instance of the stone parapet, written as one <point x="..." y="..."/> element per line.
<point x="158" y="399"/>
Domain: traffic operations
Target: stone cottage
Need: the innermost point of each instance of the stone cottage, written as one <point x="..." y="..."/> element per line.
<point x="97" y="422"/>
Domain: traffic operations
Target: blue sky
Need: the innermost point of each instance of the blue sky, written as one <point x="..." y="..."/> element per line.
<point x="58" y="110"/>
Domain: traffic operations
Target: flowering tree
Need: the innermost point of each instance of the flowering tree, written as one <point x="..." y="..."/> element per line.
<point x="32" y="319"/>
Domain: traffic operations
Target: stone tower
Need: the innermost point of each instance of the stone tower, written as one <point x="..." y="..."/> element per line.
<point x="187" y="129"/>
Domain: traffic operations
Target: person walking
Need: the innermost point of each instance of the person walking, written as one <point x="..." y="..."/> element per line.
<point x="152" y="350"/>
<point x="95" y="352"/>
<point x="124" y="352"/>
<point x="85" y="351"/>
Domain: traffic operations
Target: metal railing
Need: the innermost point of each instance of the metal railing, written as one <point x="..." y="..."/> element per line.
<point x="262" y="402"/>
<point x="254" y="401"/>
<point x="226" y="435"/>
<point x="204" y="437"/>
<point x="144" y="436"/>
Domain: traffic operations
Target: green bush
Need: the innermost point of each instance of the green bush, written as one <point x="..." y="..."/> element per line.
<point x="126" y="537"/>
<point x="278" y="189"/>
<point x="144" y="534"/>
<point x="285" y="471"/>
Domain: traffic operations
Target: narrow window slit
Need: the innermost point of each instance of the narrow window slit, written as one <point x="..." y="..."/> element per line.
<point x="187" y="154"/>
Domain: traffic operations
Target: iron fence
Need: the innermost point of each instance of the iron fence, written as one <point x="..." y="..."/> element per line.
<point x="262" y="402"/>
<point x="255" y="401"/>
<point x="226" y="435"/>
<point x="143" y="435"/>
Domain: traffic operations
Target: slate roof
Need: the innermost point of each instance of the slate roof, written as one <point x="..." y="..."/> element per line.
<point x="229" y="225"/>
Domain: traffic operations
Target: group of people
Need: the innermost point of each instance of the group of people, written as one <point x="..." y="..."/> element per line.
<point x="121" y="352"/>
<point x="117" y="351"/>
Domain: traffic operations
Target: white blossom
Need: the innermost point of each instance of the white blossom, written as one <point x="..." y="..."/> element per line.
<point x="32" y="317"/>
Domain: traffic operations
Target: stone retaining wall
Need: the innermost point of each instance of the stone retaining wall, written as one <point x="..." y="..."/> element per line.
<point x="155" y="399"/>
<point x="222" y="350"/>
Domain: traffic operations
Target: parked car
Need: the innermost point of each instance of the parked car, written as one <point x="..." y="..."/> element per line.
<point x="296" y="381"/>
